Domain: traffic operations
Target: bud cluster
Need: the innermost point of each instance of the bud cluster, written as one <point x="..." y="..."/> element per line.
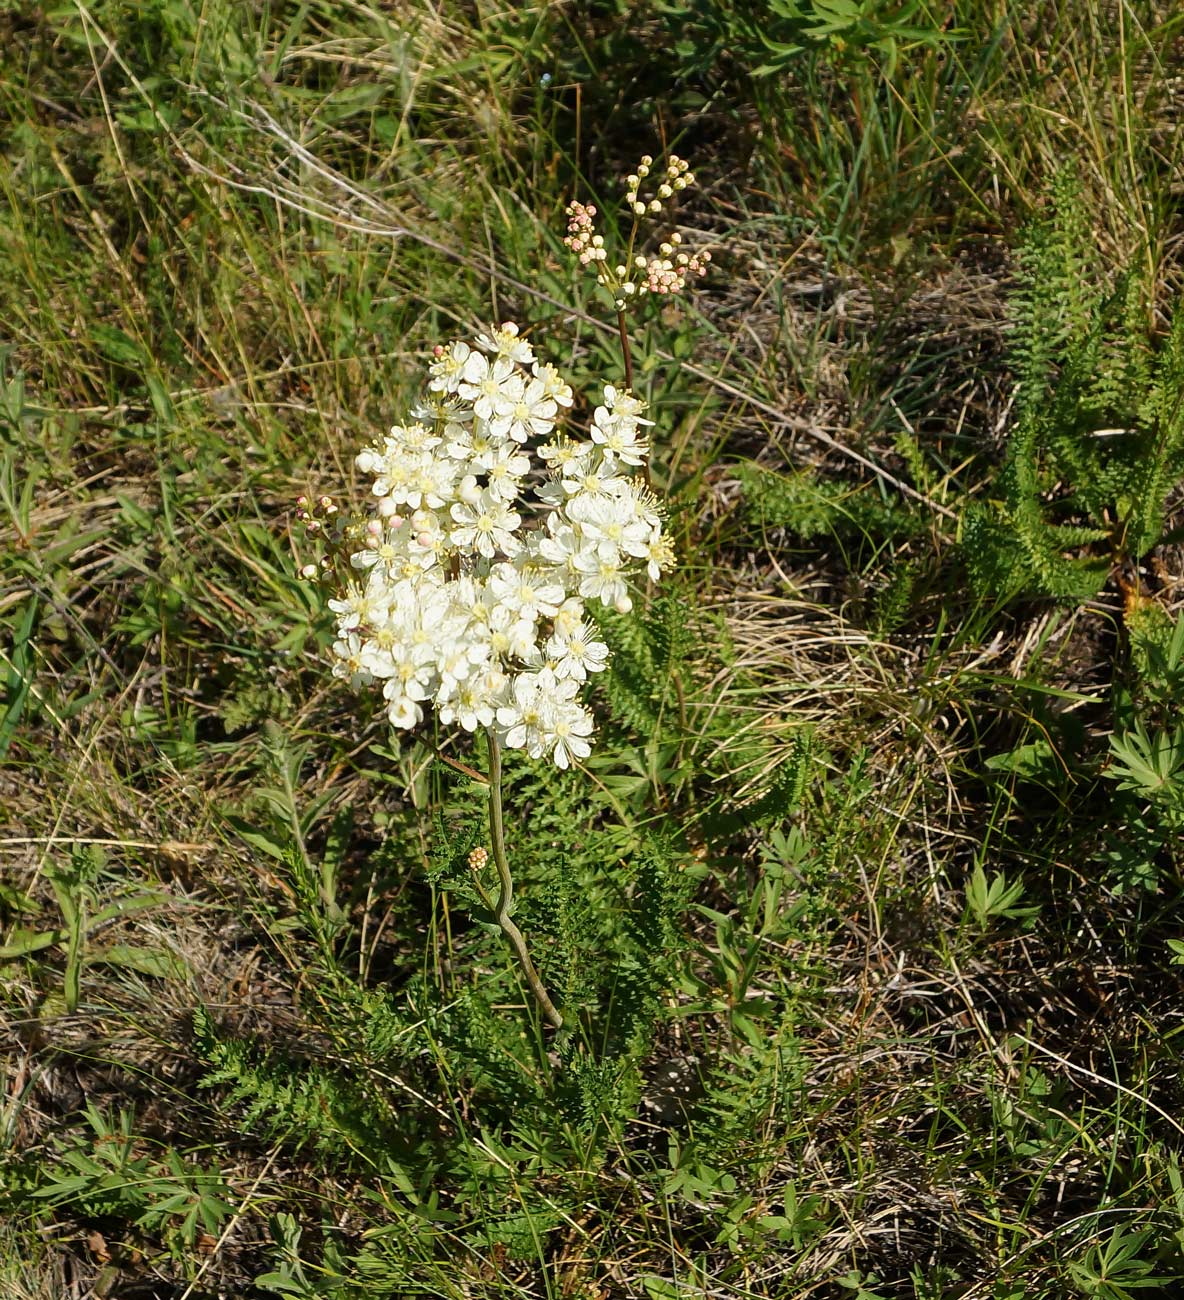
<point x="637" y="275"/>
<point x="325" y="524"/>
<point x="678" y="177"/>
<point x="581" y="237"/>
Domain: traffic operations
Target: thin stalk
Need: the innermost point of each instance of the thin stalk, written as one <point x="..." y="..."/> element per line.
<point x="501" y="914"/>
<point x="627" y="356"/>
<point x="623" y="330"/>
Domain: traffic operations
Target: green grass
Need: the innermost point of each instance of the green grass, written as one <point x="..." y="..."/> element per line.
<point x="863" y="946"/>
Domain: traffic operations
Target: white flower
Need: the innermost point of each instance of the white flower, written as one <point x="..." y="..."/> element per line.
<point x="576" y="653"/>
<point x="369" y="460"/>
<point x="349" y="666"/>
<point x="621" y="402"/>
<point x="520" y="717"/>
<point x="610" y="523"/>
<point x="522" y="411"/>
<point x="472" y="704"/>
<point x="560" y="548"/>
<point x="411" y="437"/>
<point x="386" y="552"/>
<point x="563" y="731"/>
<point x="659" y="554"/>
<point x="482" y="382"/>
<point x="619" y="437"/>
<point x="568" y="617"/>
<point x="525" y="717"/>
<point x="446" y="370"/>
<point x="593" y="481"/>
<point x="553" y="383"/>
<point x="402" y="710"/>
<point x="604" y="579"/>
<point x="408" y="685"/>
<point x="356" y="608"/>
<point x="487" y="526"/>
<point x="526" y="595"/>
<point x="504" y="342"/>
<point x="505" y="468"/>
<point x="563" y="454"/>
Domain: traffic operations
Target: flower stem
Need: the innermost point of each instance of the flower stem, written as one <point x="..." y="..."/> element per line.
<point x="623" y="329"/>
<point x="501" y="913"/>
<point x="627" y="356"/>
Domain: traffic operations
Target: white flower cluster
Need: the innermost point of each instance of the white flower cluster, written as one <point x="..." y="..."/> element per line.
<point x="492" y="530"/>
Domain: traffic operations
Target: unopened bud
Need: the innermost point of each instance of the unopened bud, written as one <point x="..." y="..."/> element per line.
<point x="309" y="571"/>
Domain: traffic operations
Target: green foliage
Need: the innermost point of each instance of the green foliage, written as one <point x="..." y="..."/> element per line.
<point x="648" y="650"/>
<point x="1146" y="753"/>
<point x="768" y="35"/>
<point x="813" y="507"/>
<point x="107" y="1173"/>
<point x="1097" y="442"/>
<point x="1157" y="655"/>
<point x="296" y="1100"/>
<point x="1122" y="1267"/>
<point x="999" y="898"/>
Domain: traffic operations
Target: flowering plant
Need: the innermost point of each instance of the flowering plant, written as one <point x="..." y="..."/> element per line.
<point x="465" y="589"/>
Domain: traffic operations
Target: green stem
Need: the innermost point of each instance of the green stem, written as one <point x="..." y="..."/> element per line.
<point x="501" y="913"/>
<point x="624" y="332"/>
